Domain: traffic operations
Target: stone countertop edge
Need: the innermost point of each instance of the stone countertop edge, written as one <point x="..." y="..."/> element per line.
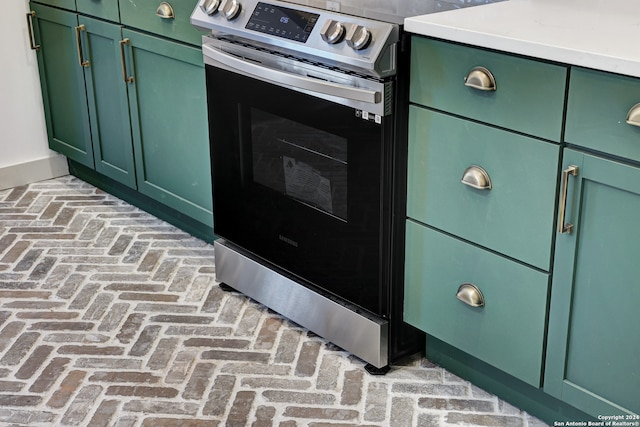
<point x="599" y="34"/>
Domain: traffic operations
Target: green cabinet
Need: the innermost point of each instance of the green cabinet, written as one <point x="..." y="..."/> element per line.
<point x="107" y="100"/>
<point x="598" y="107"/>
<point x="515" y="216"/>
<point x="62" y="82"/>
<point x="593" y="339"/>
<point x="84" y="96"/>
<point x="143" y="15"/>
<point x="65" y="4"/>
<point x="126" y="104"/>
<point x="439" y="267"/>
<point x="99" y="8"/>
<point x="169" y="121"/>
<point x="594" y="343"/>
<point x="525" y="95"/>
<point x="560" y="310"/>
<point x="481" y="184"/>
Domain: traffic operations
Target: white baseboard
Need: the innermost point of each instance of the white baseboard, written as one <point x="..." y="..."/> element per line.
<point x="33" y="171"/>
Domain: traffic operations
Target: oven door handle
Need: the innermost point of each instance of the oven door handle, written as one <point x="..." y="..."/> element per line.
<point x="287" y="79"/>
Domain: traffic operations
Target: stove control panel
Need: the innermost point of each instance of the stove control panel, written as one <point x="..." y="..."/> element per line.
<point x="311" y="33"/>
<point x="284" y="22"/>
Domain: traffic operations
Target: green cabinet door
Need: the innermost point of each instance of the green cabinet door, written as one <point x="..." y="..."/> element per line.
<point x="107" y="100"/>
<point x="594" y="341"/>
<point x="62" y="83"/>
<point x="167" y="99"/>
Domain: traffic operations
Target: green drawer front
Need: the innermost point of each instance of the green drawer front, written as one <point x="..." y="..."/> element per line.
<point x="105" y="9"/>
<point x="142" y="14"/>
<point x="65" y="4"/>
<point x="508" y="332"/>
<point x="529" y="96"/>
<point x="514" y="217"/>
<point x="597" y="111"/>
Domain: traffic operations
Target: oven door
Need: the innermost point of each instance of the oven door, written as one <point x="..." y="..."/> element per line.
<point x="298" y="181"/>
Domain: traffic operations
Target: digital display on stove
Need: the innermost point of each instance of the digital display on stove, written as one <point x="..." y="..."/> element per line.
<point x="282" y="22"/>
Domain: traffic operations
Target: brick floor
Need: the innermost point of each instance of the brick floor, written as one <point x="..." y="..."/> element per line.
<point x="111" y="317"/>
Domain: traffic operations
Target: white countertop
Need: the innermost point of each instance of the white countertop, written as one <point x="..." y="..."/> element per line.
<point x="600" y="34"/>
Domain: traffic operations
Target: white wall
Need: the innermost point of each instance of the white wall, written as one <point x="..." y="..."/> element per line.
<point x="24" y="154"/>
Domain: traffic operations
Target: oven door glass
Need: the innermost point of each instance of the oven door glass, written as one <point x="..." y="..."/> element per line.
<point x="298" y="181"/>
<point x="302" y="162"/>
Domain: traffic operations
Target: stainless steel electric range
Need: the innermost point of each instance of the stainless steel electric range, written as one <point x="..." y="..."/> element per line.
<point x="307" y="120"/>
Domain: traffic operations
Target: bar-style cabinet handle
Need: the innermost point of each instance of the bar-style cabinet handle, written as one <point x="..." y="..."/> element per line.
<point x="562" y="227"/>
<point x="480" y="78"/>
<point x="633" y="116"/>
<point x="127" y="79"/>
<point x="32" y="40"/>
<point x="83" y="62"/>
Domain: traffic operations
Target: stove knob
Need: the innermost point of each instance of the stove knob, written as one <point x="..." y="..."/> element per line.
<point x="332" y="32"/>
<point x="231" y="9"/>
<point x="210" y="6"/>
<point x="359" y="37"/>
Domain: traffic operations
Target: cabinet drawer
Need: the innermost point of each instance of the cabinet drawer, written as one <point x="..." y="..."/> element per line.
<point x="508" y="332"/>
<point x="105" y="9"/>
<point x="597" y="110"/>
<point x="65" y="4"/>
<point x="515" y="216"/>
<point x="529" y="95"/>
<point x="142" y="14"/>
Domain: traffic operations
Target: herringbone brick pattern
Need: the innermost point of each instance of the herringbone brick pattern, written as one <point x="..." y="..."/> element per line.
<point x="111" y="317"/>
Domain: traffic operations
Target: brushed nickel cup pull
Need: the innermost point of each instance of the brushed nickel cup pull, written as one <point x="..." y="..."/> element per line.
<point x="480" y="78"/>
<point x="562" y="227"/>
<point x="633" y="116"/>
<point x="470" y="294"/>
<point x="165" y="11"/>
<point x="83" y="62"/>
<point x="476" y="177"/>
<point x="126" y="79"/>
<point x="32" y="40"/>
